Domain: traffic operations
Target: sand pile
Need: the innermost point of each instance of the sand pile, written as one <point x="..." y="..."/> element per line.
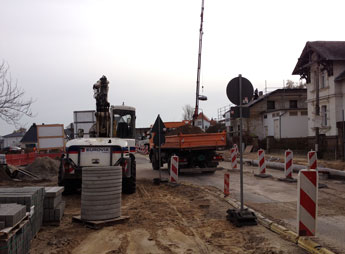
<point x="185" y="129"/>
<point x="44" y="167"/>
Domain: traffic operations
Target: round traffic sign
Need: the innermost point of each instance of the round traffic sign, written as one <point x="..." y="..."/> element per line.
<point x="233" y="90"/>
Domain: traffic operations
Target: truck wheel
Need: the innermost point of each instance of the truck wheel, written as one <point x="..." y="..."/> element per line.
<point x="129" y="184"/>
<point x="69" y="187"/>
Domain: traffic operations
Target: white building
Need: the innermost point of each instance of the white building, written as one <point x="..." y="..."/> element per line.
<point x="281" y="114"/>
<point x="13" y="139"/>
<point x="322" y="64"/>
<point x="203" y="122"/>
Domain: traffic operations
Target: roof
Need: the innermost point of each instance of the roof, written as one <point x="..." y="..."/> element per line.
<point x="328" y="50"/>
<point x="170" y="125"/>
<point x="202" y="115"/>
<point x="14" y="135"/>
<point x="31" y="135"/>
<point x="340" y="77"/>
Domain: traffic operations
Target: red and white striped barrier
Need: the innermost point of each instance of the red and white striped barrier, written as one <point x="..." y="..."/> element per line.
<point x="312" y="160"/>
<point x="262" y="165"/>
<point x="307" y="202"/>
<point x="288" y="164"/>
<point x="236" y="148"/>
<point x="174" y="169"/>
<point x="226" y="184"/>
<point x="142" y="149"/>
<point x="262" y="162"/>
<point x="288" y="168"/>
<point x="233" y="157"/>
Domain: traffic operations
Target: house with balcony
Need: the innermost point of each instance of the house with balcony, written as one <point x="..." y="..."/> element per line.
<point x="281" y="114"/>
<point x="322" y="65"/>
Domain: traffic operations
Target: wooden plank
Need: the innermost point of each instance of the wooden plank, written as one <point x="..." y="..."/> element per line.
<point x="248" y="149"/>
<point x="6" y="233"/>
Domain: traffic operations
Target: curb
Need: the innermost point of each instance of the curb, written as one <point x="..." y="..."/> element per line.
<point x="303" y="242"/>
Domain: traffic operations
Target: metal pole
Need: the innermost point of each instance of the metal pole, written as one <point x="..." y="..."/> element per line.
<point x="241" y="158"/>
<point x="317" y="109"/>
<point x="343" y="137"/>
<point x="159" y="148"/>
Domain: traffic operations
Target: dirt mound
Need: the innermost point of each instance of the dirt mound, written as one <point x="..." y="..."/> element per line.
<point x="163" y="219"/>
<point x="185" y="129"/>
<point x="44" y="167"/>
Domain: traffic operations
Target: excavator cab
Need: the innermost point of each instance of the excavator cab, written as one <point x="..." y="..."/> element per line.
<point x="123" y="122"/>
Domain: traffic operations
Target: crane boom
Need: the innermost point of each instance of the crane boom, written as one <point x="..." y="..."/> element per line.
<point x="196" y="111"/>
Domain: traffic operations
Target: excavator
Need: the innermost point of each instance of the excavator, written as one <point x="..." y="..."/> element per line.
<point x="111" y="143"/>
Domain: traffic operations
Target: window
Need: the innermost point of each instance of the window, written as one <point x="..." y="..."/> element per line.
<point x="323" y="80"/>
<point x="265" y="116"/>
<point x="293" y="103"/>
<point x="271" y="105"/>
<point x="324" y="115"/>
<point x="304" y="113"/>
<point x="239" y="127"/>
<point x="293" y="113"/>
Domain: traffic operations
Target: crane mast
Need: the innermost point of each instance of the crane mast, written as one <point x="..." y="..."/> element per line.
<point x="196" y="111"/>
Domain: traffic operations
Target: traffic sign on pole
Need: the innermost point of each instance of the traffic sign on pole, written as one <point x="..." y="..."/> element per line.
<point x="240" y="91"/>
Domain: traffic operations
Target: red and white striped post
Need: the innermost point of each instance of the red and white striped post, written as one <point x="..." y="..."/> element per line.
<point x="236" y="148"/>
<point x="233" y="157"/>
<point x="226" y="184"/>
<point x="307" y="202"/>
<point x="174" y="169"/>
<point x="262" y="162"/>
<point x="262" y="165"/>
<point x="312" y="160"/>
<point x="288" y="164"/>
<point x="288" y="167"/>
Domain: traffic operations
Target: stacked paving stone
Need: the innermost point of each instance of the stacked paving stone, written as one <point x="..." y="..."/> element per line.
<point x="17" y="240"/>
<point x="11" y="214"/>
<point x="53" y="205"/>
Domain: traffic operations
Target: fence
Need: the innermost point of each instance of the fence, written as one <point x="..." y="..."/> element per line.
<point x="27" y="158"/>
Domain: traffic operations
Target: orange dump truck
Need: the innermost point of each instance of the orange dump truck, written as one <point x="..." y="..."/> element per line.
<point x="195" y="151"/>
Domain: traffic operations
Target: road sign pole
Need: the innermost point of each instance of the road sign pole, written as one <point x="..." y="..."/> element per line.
<point x="159" y="149"/>
<point x="239" y="91"/>
<point x="241" y="158"/>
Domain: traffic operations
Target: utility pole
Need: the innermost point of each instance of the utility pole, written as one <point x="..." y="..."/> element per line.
<point x="317" y="108"/>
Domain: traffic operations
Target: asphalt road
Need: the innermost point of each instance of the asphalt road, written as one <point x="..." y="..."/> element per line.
<point x="276" y="199"/>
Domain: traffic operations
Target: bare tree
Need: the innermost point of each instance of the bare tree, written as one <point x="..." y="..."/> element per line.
<point x="12" y="104"/>
<point x="188" y="112"/>
<point x="291" y="84"/>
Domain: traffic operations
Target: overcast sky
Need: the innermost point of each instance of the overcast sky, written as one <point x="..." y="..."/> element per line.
<point x="57" y="50"/>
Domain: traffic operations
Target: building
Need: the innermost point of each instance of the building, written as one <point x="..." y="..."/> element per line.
<point x="203" y="122"/>
<point x="1" y="142"/>
<point x="322" y="65"/>
<point x="279" y="114"/>
<point x="29" y="140"/>
<point x="13" y="139"/>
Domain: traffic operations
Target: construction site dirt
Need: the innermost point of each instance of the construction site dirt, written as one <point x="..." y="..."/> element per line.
<point x="191" y="217"/>
<point x="163" y="219"/>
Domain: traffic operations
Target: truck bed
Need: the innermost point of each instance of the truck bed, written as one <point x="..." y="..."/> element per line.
<point x="195" y="141"/>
